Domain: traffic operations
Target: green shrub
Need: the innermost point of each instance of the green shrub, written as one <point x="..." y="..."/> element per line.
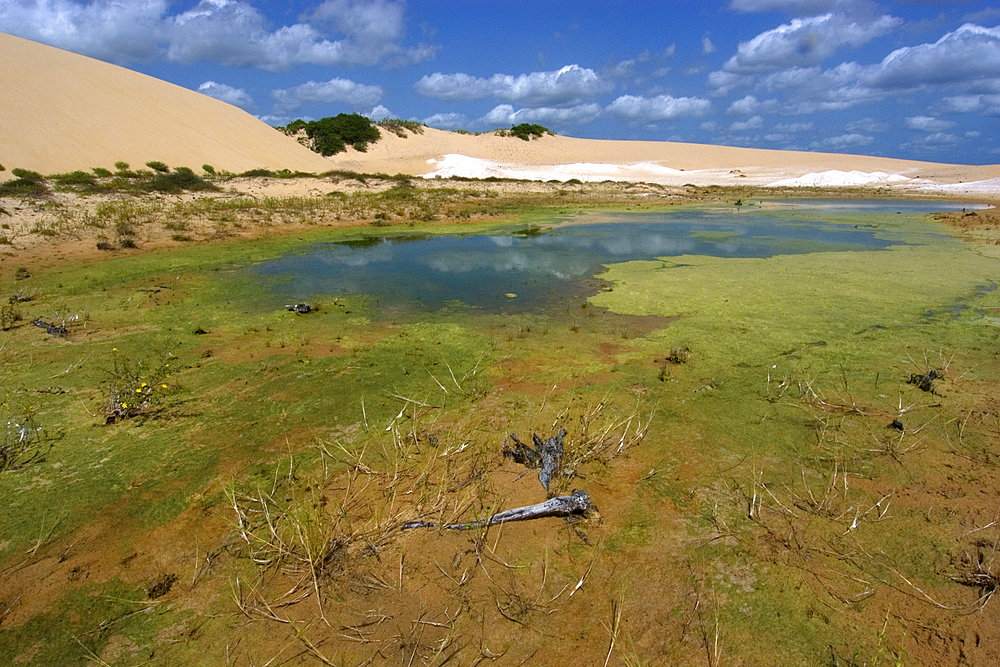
<point x="156" y="165"/>
<point x="75" y="178"/>
<point x="178" y="181"/>
<point x="332" y="135"/>
<point x="26" y="183"/>
<point x="208" y="169"/>
<point x="294" y="126"/>
<point x="27" y="175"/>
<point x="529" y="131"/>
<point x="258" y="173"/>
<point x="123" y="170"/>
<point x="101" y="172"/>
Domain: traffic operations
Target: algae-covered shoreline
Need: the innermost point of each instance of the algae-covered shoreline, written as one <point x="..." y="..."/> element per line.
<point x="733" y="420"/>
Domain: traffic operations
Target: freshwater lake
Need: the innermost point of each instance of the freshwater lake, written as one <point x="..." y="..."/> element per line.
<point x="531" y="268"/>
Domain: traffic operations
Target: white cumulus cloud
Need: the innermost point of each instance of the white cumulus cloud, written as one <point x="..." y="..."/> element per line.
<point x="805" y="42"/>
<point x="228" y="32"/>
<point x="968" y="55"/>
<point x="569" y="86"/>
<point x="447" y="121"/>
<point x="752" y="123"/>
<point x="639" y="109"/>
<point x="220" y="91"/>
<point x="112" y="30"/>
<point x="796" y="7"/>
<point x="344" y="91"/>
<point x="852" y="140"/>
<point x="504" y="114"/>
<point x="927" y="124"/>
<point x="379" y="113"/>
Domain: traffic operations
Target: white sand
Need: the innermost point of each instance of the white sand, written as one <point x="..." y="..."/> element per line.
<point x="470" y="167"/>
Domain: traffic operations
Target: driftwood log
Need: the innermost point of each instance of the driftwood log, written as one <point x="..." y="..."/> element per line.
<point x="578" y="503"/>
<point x="546" y="454"/>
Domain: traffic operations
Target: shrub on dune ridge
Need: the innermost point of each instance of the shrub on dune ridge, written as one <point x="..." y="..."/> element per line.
<point x="529" y="131"/>
<point x="334" y="134"/>
<point x="399" y="127"/>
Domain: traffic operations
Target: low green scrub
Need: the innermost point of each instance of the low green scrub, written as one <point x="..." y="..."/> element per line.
<point x="526" y="131"/>
<point x="401" y="127"/>
<point x="26" y="183"/>
<point x="334" y="134"/>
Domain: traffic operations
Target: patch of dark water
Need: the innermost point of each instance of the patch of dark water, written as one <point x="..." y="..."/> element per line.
<point x="961" y="304"/>
<point x="531" y="268"/>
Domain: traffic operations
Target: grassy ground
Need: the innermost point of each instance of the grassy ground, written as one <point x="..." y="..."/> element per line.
<point x="732" y="421"/>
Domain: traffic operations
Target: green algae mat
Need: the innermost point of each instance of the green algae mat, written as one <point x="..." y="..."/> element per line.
<point x="793" y="457"/>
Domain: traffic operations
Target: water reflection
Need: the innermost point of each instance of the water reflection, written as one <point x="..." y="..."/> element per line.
<point x="532" y="268"/>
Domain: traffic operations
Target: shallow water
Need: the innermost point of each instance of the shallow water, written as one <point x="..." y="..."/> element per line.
<point x="875" y="205"/>
<point x="530" y="268"/>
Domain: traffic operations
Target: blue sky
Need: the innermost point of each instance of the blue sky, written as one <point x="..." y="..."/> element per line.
<point x="916" y="79"/>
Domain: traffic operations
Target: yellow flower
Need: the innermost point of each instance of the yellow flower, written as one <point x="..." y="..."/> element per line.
<point x="138" y="391"/>
<point x="164" y="386"/>
<point x="143" y="384"/>
<point x="125" y="405"/>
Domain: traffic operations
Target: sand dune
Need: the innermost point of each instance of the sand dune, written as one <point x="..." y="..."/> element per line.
<point x="445" y="154"/>
<point x="61" y="112"/>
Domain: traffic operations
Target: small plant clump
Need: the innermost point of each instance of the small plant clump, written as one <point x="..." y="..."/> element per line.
<point x="156" y="165"/>
<point x="9" y="315"/>
<point x="181" y="179"/>
<point x="133" y="387"/>
<point x="400" y="127"/>
<point x="23" y="442"/>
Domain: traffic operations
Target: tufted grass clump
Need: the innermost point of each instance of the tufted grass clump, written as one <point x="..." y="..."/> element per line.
<point x="22" y="441"/>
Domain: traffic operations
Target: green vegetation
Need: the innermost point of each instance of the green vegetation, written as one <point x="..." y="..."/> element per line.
<point x="400" y="127"/>
<point x="158" y="166"/>
<point x="526" y="131"/>
<point x="26" y="183"/>
<point x="334" y="134"/>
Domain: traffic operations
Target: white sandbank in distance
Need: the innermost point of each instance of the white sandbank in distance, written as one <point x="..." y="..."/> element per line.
<point x="62" y="112"/>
